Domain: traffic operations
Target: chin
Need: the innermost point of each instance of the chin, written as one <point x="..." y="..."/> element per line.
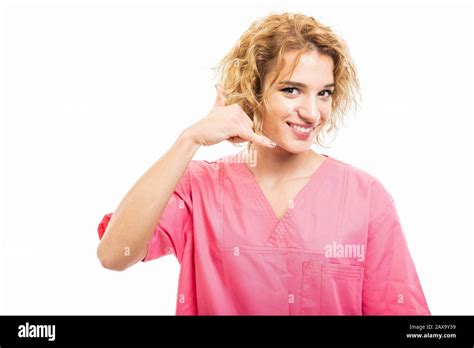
<point x="296" y="146"/>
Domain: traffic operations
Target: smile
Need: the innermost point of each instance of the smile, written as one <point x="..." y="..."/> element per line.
<point x="301" y="131"/>
<point x="300" y="128"/>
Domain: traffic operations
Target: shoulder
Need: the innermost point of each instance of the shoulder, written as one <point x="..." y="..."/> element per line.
<point x="210" y="167"/>
<point x="202" y="171"/>
<point x="354" y="173"/>
<point x="359" y="182"/>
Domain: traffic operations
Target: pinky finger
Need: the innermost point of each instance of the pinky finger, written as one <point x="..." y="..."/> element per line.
<point x="262" y="140"/>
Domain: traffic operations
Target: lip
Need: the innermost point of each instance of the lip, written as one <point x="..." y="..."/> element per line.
<point x="298" y="134"/>
<point x="301" y="125"/>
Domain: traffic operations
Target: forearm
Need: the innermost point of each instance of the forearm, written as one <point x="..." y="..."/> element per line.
<point x="137" y="215"/>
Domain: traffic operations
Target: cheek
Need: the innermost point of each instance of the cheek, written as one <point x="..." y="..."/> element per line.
<point x="326" y="112"/>
<point x="280" y="108"/>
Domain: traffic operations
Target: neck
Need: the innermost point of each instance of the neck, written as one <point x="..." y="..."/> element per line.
<point x="278" y="164"/>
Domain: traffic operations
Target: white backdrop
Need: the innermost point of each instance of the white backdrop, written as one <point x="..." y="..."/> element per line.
<point x="93" y="93"/>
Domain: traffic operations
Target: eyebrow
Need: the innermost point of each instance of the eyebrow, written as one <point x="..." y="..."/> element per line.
<point x="302" y="85"/>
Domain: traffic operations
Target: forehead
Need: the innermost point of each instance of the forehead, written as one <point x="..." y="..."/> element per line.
<point x="313" y="69"/>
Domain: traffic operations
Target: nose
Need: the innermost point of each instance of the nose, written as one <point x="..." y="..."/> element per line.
<point x="309" y="110"/>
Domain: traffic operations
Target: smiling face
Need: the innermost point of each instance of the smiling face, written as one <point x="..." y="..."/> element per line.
<point x="300" y="105"/>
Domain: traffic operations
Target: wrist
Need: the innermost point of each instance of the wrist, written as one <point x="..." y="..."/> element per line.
<point x="186" y="137"/>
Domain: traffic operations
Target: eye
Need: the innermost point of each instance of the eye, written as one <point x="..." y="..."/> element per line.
<point x="328" y="91"/>
<point x="287" y="90"/>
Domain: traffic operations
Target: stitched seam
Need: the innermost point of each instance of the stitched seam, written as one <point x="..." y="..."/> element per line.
<point x="376" y="221"/>
<point x="342" y="203"/>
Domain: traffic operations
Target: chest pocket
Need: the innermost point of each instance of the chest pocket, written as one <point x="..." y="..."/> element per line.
<point x="331" y="289"/>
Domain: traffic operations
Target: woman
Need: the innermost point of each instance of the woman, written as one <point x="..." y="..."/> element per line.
<point x="292" y="231"/>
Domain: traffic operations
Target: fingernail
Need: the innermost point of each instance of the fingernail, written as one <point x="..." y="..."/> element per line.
<point x="273" y="144"/>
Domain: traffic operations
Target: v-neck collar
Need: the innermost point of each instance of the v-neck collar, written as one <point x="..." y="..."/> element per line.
<point x="298" y="200"/>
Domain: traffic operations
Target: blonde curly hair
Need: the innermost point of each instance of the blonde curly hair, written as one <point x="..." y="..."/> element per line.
<point x="244" y="69"/>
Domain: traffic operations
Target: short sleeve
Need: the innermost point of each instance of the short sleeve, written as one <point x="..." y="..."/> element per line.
<point x="391" y="285"/>
<point x="171" y="232"/>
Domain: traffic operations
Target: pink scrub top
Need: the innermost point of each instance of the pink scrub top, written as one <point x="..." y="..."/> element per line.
<point x="338" y="250"/>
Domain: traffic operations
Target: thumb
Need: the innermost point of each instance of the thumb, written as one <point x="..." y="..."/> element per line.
<point x="221" y="98"/>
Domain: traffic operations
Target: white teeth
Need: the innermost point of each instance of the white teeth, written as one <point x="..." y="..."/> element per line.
<point x="302" y="129"/>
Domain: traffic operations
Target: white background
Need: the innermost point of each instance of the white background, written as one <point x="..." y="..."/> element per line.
<point x="93" y="93"/>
